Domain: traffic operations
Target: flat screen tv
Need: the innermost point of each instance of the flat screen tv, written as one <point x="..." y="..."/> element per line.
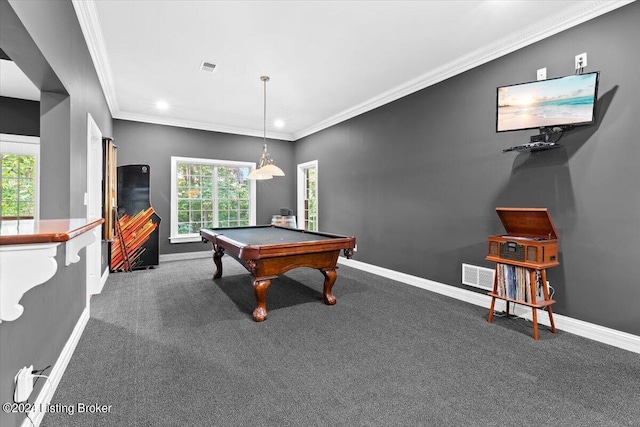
<point x="561" y="102"/>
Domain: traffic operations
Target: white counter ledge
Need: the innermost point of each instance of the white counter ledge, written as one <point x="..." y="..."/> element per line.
<point x="27" y="255"/>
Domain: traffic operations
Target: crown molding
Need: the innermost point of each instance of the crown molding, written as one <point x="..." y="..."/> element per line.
<point x="90" y="24"/>
<point x="144" y="118"/>
<point x="533" y="33"/>
<point x="554" y="24"/>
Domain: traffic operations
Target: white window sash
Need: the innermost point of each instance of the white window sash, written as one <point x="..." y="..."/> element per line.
<point x="174" y="237"/>
<point x="302" y="167"/>
<point x="25" y="145"/>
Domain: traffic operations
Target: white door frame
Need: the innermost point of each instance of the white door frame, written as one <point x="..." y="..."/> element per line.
<point x="300" y="178"/>
<point x="93" y="201"/>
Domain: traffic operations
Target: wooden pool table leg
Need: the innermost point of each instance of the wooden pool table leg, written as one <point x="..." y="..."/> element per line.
<point x="217" y="260"/>
<point x="329" y="279"/>
<point x="260" y="287"/>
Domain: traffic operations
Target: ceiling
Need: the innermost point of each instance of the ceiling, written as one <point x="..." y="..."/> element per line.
<point x="15" y="84"/>
<point x="327" y="60"/>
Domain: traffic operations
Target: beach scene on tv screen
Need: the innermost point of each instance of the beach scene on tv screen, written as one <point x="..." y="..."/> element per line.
<point x="564" y="101"/>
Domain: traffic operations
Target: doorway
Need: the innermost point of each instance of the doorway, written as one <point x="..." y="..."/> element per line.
<point x="93" y="201"/>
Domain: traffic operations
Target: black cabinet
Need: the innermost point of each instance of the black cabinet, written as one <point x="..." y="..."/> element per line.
<point x="137" y="236"/>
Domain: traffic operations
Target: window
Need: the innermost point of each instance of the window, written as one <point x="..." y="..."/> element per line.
<point x="20" y="176"/>
<point x="308" y="195"/>
<point x="209" y="193"/>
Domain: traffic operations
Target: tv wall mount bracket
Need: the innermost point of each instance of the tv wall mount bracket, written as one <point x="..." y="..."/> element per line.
<point x="547" y="139"/>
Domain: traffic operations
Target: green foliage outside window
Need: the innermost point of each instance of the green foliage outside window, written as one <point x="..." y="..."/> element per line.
<point x="207" y="193"/>
<point x="18" y="186"/>
<point x="311" y="197"/>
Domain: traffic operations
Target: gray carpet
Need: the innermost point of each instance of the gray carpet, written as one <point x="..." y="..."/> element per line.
<point x="171" y="347"/>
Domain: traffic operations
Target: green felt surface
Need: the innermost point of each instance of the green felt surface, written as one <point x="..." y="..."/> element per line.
<point x="269" y="235"/>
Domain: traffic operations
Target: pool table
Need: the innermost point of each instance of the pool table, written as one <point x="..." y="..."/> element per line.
<point x="267" y="251"/>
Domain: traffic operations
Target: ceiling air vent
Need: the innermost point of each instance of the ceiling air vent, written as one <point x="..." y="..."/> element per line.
<point x="208" y="66"/>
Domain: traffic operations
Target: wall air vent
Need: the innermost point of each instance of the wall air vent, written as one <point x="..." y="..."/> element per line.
<point x="208" y="66"/>
<point x="478" y="277"/>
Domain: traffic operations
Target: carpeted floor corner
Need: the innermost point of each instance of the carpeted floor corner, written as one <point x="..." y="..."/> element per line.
<point x="169" y="346"/>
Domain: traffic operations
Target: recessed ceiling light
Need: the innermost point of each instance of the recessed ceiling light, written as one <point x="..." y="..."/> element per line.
<point x="278" y="123"/>
<point x="162" y="105"/>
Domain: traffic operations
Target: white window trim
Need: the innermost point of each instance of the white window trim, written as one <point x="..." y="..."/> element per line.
<point x="29" y="145"/>
<point x="300" y="202"/>
<point x="174" y="237"/>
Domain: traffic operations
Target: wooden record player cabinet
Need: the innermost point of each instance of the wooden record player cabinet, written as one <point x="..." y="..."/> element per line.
<point x="522" y="257"/>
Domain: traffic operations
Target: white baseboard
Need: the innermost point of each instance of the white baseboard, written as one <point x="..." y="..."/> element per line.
<point x="48" y="390"/>
<point x="185" y="255"/>
<point x="103" y="279"/>
<point x="588" y="330"/>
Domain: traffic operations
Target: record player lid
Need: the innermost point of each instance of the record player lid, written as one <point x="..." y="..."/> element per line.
<point x="527" y="222"/>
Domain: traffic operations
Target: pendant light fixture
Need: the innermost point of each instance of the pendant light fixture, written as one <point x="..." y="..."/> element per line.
<point x="266" y="169"/>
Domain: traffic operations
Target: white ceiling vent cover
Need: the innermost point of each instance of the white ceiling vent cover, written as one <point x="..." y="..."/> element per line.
<point x="479" y="277"/>
<point x="208" y="66"/>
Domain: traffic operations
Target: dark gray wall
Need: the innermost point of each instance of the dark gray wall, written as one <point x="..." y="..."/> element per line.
<point x="19" y="116"/>
<point x="417" y="181"/>
<point x="45" y="40"/>
<point x="144" y="143"/>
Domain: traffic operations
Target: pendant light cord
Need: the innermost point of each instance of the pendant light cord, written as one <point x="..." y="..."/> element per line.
<point x="265" y="79"/>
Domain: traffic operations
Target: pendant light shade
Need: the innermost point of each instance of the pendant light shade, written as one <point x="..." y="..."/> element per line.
<point x="273" y="170"/>
<point x="266" y="168"/>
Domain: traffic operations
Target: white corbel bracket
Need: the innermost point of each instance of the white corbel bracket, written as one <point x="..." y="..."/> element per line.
<point x="74" y="245"/>
<point x="23" y="267"/>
